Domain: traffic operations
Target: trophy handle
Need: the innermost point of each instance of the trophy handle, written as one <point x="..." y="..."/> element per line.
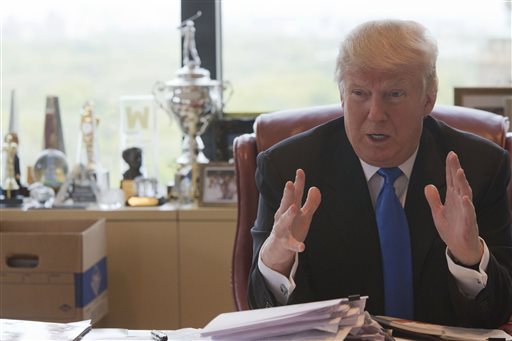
<point x="158" y="91"/>
<point x="227" y="86"/>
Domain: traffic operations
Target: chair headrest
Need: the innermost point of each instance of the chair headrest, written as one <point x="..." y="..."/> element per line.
<point x="273" y="127"/>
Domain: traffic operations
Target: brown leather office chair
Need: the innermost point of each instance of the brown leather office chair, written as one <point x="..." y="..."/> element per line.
<point x="273" y="127"/>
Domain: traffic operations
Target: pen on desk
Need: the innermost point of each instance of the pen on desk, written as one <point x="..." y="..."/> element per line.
<point x="158" y="335"/>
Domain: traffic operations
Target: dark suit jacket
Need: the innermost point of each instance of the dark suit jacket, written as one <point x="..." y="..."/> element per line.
<point x="342" y="255"/>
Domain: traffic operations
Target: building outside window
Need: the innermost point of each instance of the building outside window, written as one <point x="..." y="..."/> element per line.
<point x="294" y="44"/>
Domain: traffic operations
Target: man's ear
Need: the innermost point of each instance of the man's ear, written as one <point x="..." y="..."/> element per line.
<point x="430" y="100"/>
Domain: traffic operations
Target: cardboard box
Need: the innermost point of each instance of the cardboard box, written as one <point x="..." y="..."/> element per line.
<point x="53" y="271"/>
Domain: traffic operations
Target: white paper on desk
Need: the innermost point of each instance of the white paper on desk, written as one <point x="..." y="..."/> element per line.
<point x="269" y="316"/>
<point x="309" y="335"/>
<point x="471" y="334"/>
<point x="20" y="330"/>
<point x="277" y="330"/>
<point x="353" y="318"/>
<point x="114" y="334"/>
<point x="273" y="316"/>
<point x="444" y="332"/>
<point x="262" y="323"/>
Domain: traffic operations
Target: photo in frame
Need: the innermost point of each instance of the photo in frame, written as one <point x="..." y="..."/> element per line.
<point x="218" y="137"/>
<point x="217" y="184"/>
<point x="494" y="99"/>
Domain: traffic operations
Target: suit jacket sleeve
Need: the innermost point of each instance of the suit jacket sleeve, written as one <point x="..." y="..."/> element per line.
<point x="259" y="296"/>
<point x="493" y="305"/>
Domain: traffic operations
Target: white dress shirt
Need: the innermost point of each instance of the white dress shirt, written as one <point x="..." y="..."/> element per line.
<point x="469" y="281"/>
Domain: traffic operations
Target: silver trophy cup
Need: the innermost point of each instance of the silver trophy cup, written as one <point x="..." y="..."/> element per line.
<point x="194" y="100"/>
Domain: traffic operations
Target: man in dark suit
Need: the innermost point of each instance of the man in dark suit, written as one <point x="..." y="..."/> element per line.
<point x="326" y="243"/>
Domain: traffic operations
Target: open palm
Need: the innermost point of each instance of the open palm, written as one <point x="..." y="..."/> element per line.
<point x="291" y="225"/>
<point x="455" y="220"/>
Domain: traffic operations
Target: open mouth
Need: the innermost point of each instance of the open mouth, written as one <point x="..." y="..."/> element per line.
<point x="378" y="137"/>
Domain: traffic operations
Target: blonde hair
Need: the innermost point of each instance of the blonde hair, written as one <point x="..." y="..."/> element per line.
<point x="388" y="45"/>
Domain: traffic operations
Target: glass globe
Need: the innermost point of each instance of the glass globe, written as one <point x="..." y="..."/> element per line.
<point x="51" y="168"/>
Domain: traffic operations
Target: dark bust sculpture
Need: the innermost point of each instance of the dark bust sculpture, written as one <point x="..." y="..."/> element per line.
<point x="133" y="157"/>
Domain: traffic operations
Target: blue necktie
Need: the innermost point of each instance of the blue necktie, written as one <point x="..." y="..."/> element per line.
<point x="395" y="245"/>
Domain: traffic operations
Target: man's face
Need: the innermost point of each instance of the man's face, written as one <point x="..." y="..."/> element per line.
<point x="384" y="114"/>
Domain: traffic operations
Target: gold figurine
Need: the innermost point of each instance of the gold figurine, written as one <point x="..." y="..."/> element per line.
<point x="9" y="183"/>
<point x="88" y="126"/>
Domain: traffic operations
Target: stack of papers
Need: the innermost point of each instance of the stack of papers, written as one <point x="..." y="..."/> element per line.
<point x="324" y="320"/>
<point x="20" y="330"/>
<point x="422" y="329"/>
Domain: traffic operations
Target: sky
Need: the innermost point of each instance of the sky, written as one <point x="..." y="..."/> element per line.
<point x="84" y="17"/>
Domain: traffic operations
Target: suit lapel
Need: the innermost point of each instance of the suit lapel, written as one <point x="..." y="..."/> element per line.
<point x="429" y="168"/>
<point x="354" y="214"/>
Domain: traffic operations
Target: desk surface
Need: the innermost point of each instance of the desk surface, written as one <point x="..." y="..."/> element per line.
<point x="106" y="334"/>
<point x="185" y="334"/>
<point x="168" y="211"/>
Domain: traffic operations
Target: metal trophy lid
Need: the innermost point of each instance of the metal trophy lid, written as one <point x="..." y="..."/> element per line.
<point x="192" y="75"/>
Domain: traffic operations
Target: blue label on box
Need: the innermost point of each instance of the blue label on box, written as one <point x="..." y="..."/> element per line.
<point x="91" y="283"/>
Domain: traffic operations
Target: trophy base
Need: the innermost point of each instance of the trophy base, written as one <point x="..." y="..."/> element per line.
<point x="184" y="187"/>
<point x="83" y="194"/>
<point x="145" y="201"/>
<point x="22" y="191"/>
<point x="10" y="198"/>
<point x="129" y="188"/>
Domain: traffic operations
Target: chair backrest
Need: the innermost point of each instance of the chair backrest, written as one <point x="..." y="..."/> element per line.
<point x="273" y="127"/>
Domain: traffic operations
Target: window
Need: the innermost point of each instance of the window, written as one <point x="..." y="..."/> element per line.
<point x="276" y="54"/>
<point x="281" y="54"/>
<point x="88" y="50"/>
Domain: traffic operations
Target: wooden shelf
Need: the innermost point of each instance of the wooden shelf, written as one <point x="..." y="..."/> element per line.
<point x="168" y="266"/>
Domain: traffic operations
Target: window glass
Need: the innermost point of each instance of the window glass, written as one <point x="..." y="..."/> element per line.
<point x="88" y="50"/>
<point x="281" y="54"/>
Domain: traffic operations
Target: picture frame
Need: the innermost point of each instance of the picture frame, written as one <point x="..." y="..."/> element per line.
<point x="217" y="184"/>
<point x="219" y="135"/>
<point x="494" y="99"/>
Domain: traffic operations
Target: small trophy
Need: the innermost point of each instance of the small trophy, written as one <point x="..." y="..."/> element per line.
<point x="51" y="166"/>
<point x="88" y="154"/>
<point x="138" y="190"/>
<point x="88" y="125"/>
<point x="10" y="189"/>
<point x="194" y="100"/>
<point x="79" y="189"/>
<point x="13" y="130"/>
<point x="88" y="179"/>
<point x="133" y="157"/>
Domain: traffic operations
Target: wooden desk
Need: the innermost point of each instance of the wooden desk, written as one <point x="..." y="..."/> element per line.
<point x="168" y="267"/>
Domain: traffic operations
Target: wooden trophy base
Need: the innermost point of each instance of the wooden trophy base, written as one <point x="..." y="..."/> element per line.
<point x="11" y="198"/>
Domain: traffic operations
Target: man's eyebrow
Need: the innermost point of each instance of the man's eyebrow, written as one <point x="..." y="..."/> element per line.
<point x="356" y="85"/>
<point x="399" y="82"/>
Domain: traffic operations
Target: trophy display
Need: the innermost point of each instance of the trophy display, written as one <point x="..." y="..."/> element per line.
<point x="13" y="131"/>
<point x="88" y="154"/>
<point x="88" y="179"/>
<point x="194" y="100"/>
<point x="133" y="157"/>
<point x="138" y="190"/>
<point x="139" y="129"/>
<point x="88" y="151"/>
<point x="10" y="196"/>
<point x="51" y="166"/>
<point x="53" y="133"/>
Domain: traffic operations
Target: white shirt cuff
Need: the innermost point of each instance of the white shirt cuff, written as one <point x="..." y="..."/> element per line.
<point x="280" y="286"/>
<point x="469" y="281"/>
